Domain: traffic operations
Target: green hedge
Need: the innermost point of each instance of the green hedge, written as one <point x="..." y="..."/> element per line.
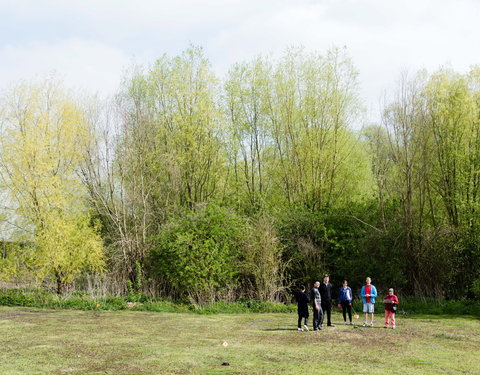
<point x="81" y="301"/>
<point x="434" y="306"/>
<point x="428" y="306"/>
<point x="40" y="298"/>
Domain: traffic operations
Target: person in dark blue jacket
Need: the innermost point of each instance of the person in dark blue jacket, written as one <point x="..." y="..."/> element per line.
<point x="345" y="298"/>
<point x="302" y="305"/>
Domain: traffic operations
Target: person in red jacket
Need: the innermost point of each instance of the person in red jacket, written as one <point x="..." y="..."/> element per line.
<point x="391" y="302"/>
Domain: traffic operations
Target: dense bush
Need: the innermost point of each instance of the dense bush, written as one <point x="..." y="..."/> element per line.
<point x="196" y="254"/>
<point x="40" y="298"/>
<point x="304" y="235"/>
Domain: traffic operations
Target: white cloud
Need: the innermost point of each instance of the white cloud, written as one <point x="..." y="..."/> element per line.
<point x="84" y="65"/>
<point x="90" y="41"/>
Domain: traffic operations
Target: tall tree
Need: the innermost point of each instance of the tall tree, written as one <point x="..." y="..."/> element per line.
<point x="44" y="135"/>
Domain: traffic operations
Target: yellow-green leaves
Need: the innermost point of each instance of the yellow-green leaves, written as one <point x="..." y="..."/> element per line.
<point x="173" y="105"/>
<point x="289" y="129"/>
<point x="43" y="138"/>
<point x="44" y="135"/>
<point x="66" y="246"/>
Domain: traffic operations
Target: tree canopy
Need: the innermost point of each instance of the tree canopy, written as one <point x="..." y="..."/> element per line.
<point x="192" y="186"/>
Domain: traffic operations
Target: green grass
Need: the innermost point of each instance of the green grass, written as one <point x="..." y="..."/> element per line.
<point x="36" y="341"/>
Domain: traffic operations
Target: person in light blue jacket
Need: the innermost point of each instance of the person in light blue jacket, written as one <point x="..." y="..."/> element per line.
<point x="368" y="294"/>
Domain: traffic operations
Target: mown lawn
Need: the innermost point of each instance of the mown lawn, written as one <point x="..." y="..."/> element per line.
<point x="37" y="341"/>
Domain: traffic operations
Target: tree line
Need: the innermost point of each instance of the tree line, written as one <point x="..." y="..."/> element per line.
<point x="187" y="186"/>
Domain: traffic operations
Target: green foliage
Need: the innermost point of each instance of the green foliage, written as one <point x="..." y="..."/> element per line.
<point x="66" y="247"/>
<point x="245" y="306"/>
<point x="135" y="289"/>
<point x="44" y="135"/>
<point x="13" y="297"/>
<point x="435" y="306"/>
<point x="43" y="299"/>
<point x="196" y="254"/>
<point x="209" y="191"/>
<point x="304" y="235"/>
<point x="172" y="142"/>
<point x="263" y="269"/>
<point x="476" y="288"/>
<point x="288" y="125"/>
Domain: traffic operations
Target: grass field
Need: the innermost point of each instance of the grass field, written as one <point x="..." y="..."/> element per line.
<point x="37" y="341"/>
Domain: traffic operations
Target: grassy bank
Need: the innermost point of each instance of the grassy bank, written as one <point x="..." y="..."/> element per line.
<point x="124" y="342"/>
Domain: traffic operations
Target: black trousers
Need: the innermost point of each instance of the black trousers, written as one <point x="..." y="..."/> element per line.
<point x="300" y="317"/>
<point x="317" y="318"/>
<point x="346" y="307"/>
<point x="327" y="308"/>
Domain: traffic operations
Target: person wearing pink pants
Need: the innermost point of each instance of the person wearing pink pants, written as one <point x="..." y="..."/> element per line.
<point x="391" y="302"/>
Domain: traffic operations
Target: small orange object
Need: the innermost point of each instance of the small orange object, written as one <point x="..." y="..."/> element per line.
<point x="98" y="305"/>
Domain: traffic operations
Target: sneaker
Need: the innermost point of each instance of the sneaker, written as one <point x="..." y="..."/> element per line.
<point x="300" y="329"/>
<point x="393" y="327"/>
<point x="351" y="323"/>
<point x="385" y="326"/>
<point x="371" y="324"/>
<point x="330" y="325"/>
<point x="320" y="328"/>
<point x="344" y="323"/>
<point x="305" y="328"/>
<point x="365" y="324"/>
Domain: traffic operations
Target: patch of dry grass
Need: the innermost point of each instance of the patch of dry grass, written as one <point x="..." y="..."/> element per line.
<point x="131" y="342"/>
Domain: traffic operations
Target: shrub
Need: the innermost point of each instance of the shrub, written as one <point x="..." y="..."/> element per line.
<point x="262" y="265"/>
<point x="197" y="254"/>
<point x="476" y="288"/>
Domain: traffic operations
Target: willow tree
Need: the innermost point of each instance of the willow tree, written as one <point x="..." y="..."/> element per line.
<point x="170" y="129"/>
<point x="313" y="102"/>
<point x="182" y="93"/>
<point x="250" y="140"/>
<point x="43" y="137"/>
<point x="291" y="135"/>
<point x="160" y="153"/>
<point x="455" y="131"/>
<point x="433" y="130"/>
<point x="454" y="127"/>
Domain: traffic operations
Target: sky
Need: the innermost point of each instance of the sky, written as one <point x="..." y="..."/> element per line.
<point x="90" y="44"/>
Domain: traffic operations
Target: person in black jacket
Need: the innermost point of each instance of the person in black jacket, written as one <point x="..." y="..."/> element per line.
<point x="317" y="307"/>
<point x="302" y="304"/>
<point x="326" y="294"/>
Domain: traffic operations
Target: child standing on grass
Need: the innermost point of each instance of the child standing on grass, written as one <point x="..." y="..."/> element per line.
<point x="391" y="302"/>
<point x="302" y="307"/>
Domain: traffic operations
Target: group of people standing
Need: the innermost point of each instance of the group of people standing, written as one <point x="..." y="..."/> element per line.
<point x="321" y="301"/>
